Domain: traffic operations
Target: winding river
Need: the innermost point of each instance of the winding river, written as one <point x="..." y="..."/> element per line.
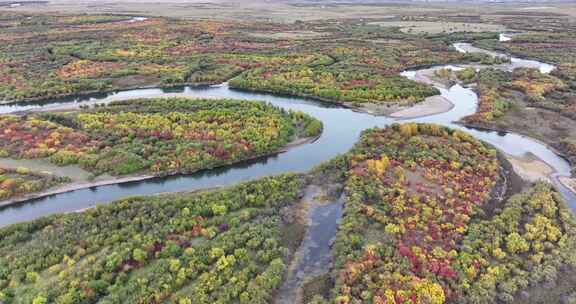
<point x="342" y="128"/>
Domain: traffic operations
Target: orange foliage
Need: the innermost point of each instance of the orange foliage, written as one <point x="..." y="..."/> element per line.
<point x="86" y="69"/>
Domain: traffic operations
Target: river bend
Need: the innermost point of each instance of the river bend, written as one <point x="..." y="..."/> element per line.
<point x="342" y="128"/>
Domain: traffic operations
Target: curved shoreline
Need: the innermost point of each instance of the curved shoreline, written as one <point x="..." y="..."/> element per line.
<point x="89" y="93"/>
<point x="433" y="105"/>
<point x="336" y="138"/>
<point x="496" y="129"/>
<point x="568" y="182"/>
<point x="374" y="109"/>
<point x="129" y="179"/>
<point x="386" y="110"/>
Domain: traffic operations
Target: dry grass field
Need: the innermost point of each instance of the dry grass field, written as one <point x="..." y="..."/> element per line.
<point x="278" y="10"/>
<point x="428" y="27"/>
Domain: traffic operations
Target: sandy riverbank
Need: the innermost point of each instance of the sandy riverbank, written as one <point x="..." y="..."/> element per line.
<point x="568" y="182"/>
<point x="428" y="76"/>
<point x="431" y="106"/>
<point x="531" y="168"/>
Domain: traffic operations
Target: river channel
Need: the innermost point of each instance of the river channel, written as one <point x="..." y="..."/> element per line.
<point x="342" y="128"/>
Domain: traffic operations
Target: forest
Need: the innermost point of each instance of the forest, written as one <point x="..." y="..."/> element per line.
<point x="55" y="56"/>
<point x="431" y="215"/>
<point x="218" y="246"/>
<point x="335" y="85"/>
<point x="425" y="222"/>
<point x="421" y="225"/>
<point x="493" y="87"/>
<point x="157" y="136"/>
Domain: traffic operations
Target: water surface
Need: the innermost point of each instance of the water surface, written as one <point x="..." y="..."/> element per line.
<point x="342" y="128"/>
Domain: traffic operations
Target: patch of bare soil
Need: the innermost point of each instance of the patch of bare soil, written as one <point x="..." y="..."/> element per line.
<point x="418" y="183"/>
<point x="135" y="81"/>
<point x="76" y="173"/>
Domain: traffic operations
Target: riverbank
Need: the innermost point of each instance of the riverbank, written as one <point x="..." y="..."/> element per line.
<point x="112" y="180"/>
<point x="431" y="106"/>
<point x="89" y="93"/>
<point x="491" y="127"/>
<point x="342" y="125"/>
<point x="73" y="187"/>
<point x="568" y="182"/>
<point x="530" y="168"/>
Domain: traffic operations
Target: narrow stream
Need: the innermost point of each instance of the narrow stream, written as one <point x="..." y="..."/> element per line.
<point x="314" y="256"/>
<point x="342" y="128"/>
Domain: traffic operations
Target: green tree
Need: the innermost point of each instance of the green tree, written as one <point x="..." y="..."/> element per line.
<point x="516" y="244"/>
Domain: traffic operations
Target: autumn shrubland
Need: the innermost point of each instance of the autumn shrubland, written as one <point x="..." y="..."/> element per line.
<point x="221" y="246"/>
<point x="419" y="227"/>
<point x="157" y="136"/>
<point x="526" y="101"/>
<point x="22" y="181"/>
<point x="54" y="56"/>
<point x="422" y="223"/>
<point x="425" y="218"/>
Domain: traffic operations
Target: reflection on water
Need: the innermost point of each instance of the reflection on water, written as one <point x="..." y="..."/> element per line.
<point x="504" y="37"/>
<point x="342" y="128"/>
<point x="314" y="257"/>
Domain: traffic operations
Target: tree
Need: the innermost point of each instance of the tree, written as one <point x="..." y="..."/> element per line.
<point x="139" y="255"/>
<point x="40" y="300"/>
